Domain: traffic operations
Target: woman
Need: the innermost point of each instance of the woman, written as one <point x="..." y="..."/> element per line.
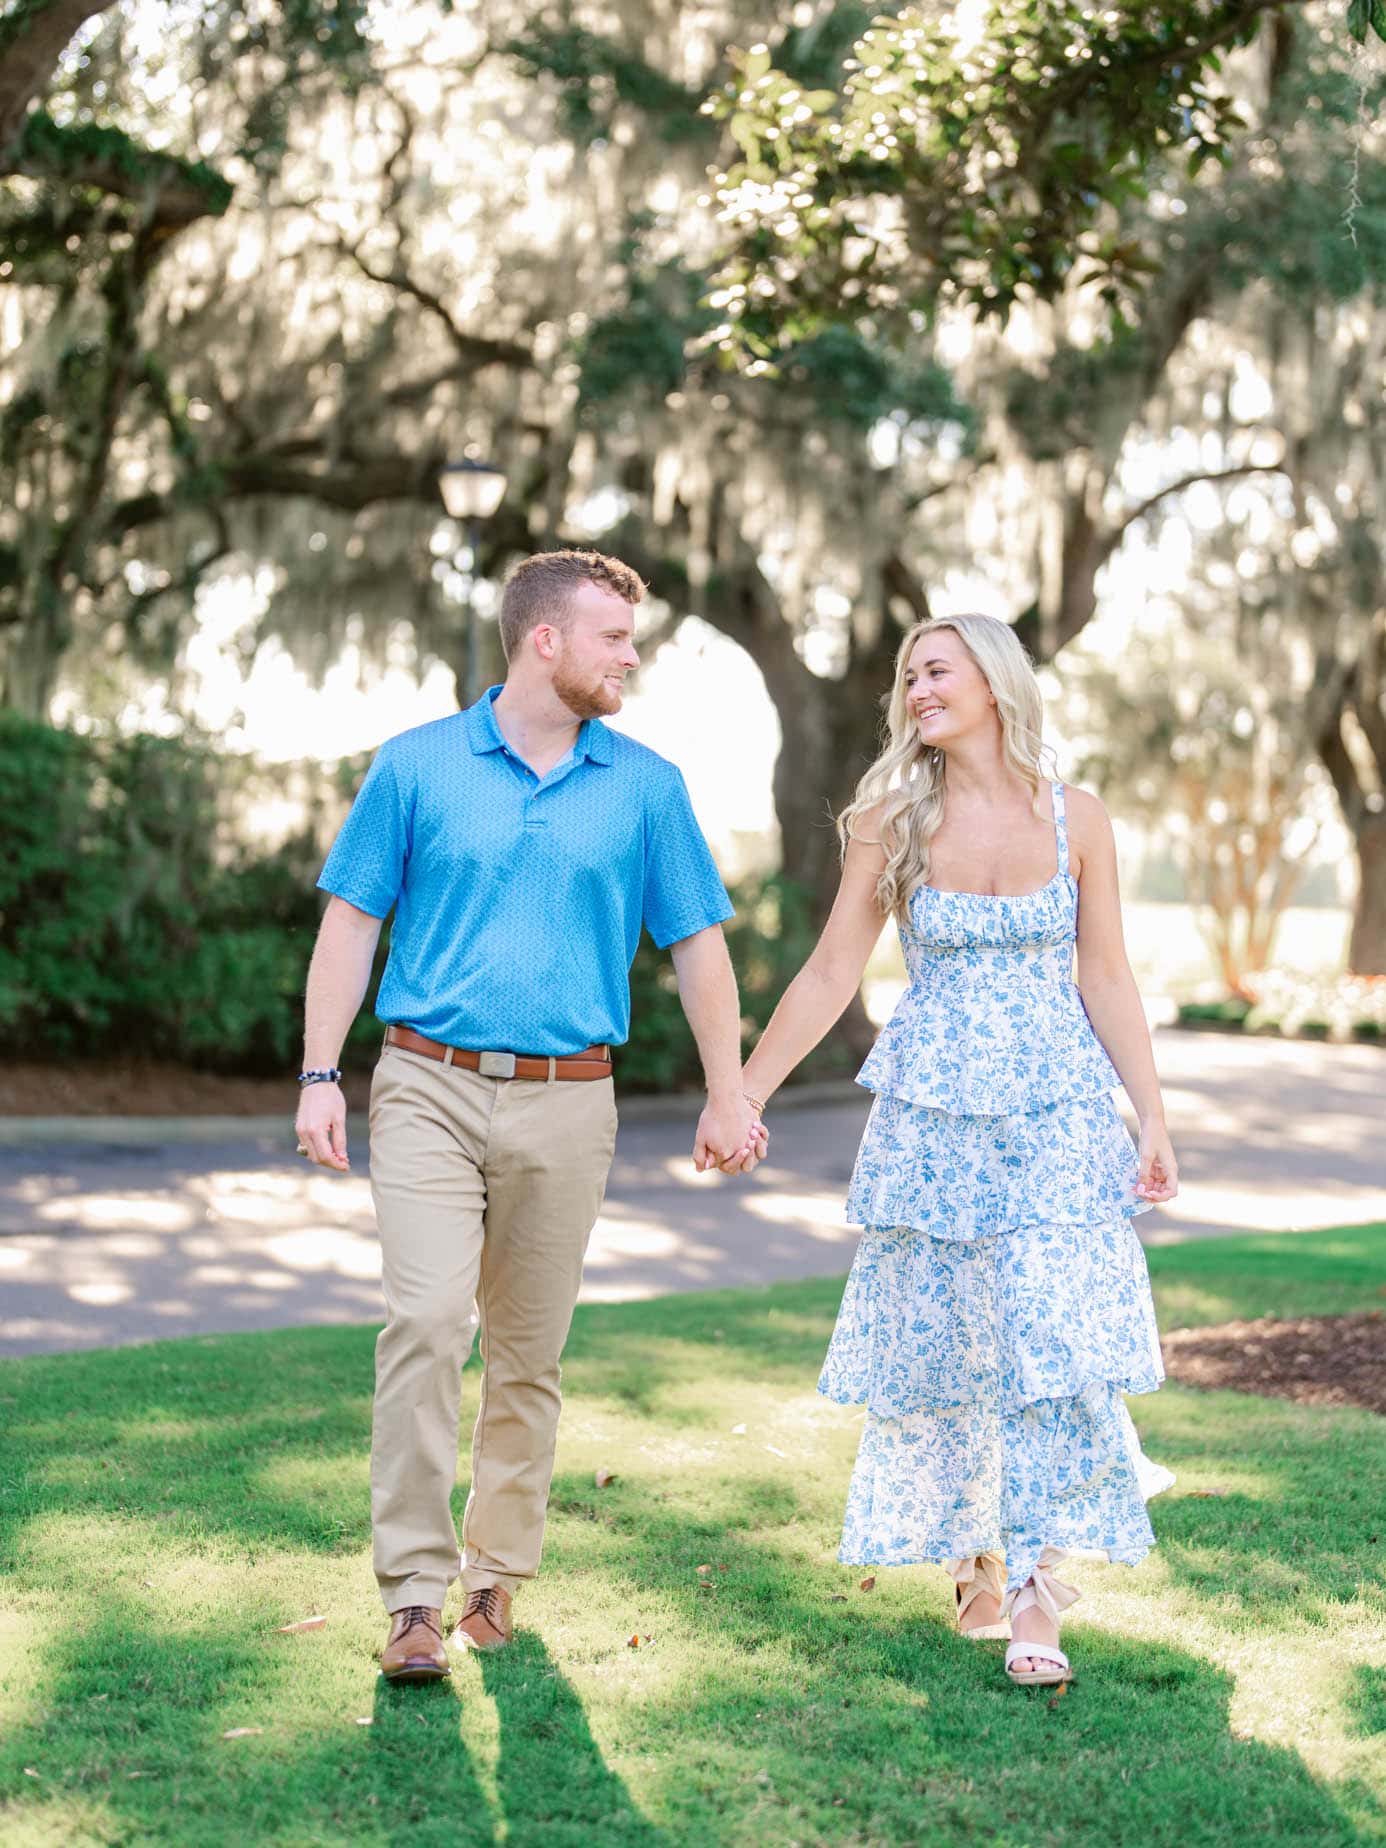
<point x="999" y="1304"/>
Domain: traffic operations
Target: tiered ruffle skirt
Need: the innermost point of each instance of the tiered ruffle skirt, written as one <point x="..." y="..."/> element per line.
<point x="997" y="1310"/>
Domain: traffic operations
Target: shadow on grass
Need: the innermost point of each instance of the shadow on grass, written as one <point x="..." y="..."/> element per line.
<point x="808" y="1721"/>
<point x="866" y="1717"/>
<point x="553" y="1786"/>
<point x="796" y="1717"/>
<point x="128" y="1745"/>
<point x="1367" y="1700"/>
<point x="414" y="1777"/>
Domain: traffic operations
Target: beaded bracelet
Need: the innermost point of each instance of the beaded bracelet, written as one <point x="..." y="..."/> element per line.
<point x="332" y="1075"/>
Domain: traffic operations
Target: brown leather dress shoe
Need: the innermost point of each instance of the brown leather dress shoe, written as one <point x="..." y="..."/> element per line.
<point x="415" y="1650"/>
<point x="485" y="1623"/>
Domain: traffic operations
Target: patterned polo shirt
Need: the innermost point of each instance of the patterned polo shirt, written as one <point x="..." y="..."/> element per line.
<point x="519" y="899"/>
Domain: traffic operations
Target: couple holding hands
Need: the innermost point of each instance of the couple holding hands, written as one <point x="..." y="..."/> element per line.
<point x="998" y="1307"/>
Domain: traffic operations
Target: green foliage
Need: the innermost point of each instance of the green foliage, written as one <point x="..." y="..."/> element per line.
<point x="816" y="54"/>
<point x="769" y="939"/>
<point x="856" y="381"/>
<point x="595" y="76"/>
<point x="1365" y="16"/>
<point x="938" y="168"/>
<point x="1214" y="1015"/>
<point x="641" y="348"/>
<point x="1294" y="1006"/>
<point x="1312" y="223"/>
<point x="82" y="151"/>
<point x="647" y="347"/>
<point x="131" y="918"/>
<point x="1060" y="409"/>
<point x="126" y="921"/>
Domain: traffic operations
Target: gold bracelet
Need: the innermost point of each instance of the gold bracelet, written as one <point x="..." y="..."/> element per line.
<point x="754" y="1102"/>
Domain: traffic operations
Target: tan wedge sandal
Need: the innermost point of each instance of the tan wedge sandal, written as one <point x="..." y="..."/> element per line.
<point x="1052" y="1596"/>
<point x="983" y="1576"/>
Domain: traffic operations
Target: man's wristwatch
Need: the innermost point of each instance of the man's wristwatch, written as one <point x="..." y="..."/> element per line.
<point x="332" y="1075"/>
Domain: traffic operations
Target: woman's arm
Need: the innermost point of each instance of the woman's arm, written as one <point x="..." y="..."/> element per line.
<point x="832" y="975"/>
<point x="1110" y="994"/>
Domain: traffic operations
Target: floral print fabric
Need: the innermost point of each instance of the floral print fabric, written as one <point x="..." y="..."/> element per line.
<point x="991" y="1021"/>
<point x="928" y="1324"/>
<point x="971" y="1177"/>
<point x="1065" y="1473"/>
<point x="999" y="1303"/>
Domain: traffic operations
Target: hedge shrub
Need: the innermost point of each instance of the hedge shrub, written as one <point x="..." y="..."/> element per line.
<point x="134" y="919"/>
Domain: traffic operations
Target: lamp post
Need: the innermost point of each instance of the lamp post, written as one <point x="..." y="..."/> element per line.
<point x="471" y="493"/>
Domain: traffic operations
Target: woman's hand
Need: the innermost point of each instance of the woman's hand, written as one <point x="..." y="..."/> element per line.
<point x="1158" y="1179"/>
<point x="753" y="1153"/>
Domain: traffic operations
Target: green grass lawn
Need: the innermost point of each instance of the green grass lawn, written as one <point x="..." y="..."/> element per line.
<point x="164" y="1508"/>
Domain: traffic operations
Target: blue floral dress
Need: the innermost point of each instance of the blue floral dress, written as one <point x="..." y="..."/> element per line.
<point x="999" y="1305"/>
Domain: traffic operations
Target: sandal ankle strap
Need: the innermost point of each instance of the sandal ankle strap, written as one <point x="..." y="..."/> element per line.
<point x="981" y="1576"/>
<point x="1043" y="1589"/>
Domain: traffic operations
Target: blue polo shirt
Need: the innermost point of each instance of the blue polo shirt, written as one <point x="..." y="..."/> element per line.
<point x="519" y="899"/>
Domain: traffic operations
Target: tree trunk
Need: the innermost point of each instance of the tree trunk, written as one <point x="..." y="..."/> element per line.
<point x="1367" y="944"/>
<point x="32" y="39"/>
<point x="825" y="744"/>
<point x="31" y="661"/>
<point x="1362" y="806"/>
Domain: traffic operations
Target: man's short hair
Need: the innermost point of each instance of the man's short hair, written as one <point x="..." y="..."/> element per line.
<point x="539" y="589"/>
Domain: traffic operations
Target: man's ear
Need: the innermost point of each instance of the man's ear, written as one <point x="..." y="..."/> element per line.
<point x="546" y="640"/>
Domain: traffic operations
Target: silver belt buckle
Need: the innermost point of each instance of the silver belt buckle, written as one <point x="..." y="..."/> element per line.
<point x="496" y="1064"/>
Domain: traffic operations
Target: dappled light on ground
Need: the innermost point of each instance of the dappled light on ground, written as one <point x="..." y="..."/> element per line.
<point x="177" y="1505"/>
<point x="249" y="1236"/>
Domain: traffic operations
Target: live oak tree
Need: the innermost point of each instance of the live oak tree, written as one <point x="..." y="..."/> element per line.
<point x="515" y="260"/>
<point x="1203" y="729"/>
<point x="95" y="203"/>
<point x="1272" y="396"/>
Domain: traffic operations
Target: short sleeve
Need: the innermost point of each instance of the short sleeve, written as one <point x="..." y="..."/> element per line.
<point x="683" y="890"/>
<point x="366" y="864"/>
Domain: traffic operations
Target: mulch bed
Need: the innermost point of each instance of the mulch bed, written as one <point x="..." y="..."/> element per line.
<point x="1315" y="1360"/>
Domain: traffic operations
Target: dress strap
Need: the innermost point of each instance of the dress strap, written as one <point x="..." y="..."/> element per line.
<point x="1060" y="826"/>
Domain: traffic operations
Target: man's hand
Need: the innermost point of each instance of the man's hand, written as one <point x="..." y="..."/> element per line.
<point x="321" y="1125"/>
<point x="726" y="1134"/>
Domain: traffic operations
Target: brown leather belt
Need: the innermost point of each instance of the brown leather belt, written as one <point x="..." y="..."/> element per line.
<point x="594" y="1062"/>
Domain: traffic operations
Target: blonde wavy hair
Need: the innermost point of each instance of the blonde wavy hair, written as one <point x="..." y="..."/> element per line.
<point x="909" y="778"/>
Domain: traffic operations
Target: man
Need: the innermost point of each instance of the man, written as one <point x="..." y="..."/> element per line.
<point x="521" y="845"/>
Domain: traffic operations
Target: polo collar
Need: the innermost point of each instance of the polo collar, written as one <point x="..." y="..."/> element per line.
<point x="484" y="734"/>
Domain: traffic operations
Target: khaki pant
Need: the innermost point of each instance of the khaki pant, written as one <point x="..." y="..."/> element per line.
<point x="486" y="1191"/>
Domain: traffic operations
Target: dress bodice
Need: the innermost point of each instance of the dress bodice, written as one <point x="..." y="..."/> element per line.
<point x="992" y="1021"/>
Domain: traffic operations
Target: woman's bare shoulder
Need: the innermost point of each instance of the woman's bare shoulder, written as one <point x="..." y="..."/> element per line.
<point x="1086" y="812"/>
<point x="865" y="829"/>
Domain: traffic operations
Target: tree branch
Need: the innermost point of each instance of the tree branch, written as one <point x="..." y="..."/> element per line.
<point x="1114" y="536"/>
<point x="32" y="39"/>
<point x="900" y="581"/>
<point x="1062" y="96"/>
<point x="472" y="349"/>
<point x="172" y="193"/>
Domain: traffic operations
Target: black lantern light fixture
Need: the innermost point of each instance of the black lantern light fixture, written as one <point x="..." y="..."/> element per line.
<point x="471" y="491"/>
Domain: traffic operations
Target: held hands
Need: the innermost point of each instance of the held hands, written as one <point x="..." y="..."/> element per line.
<point x="731" y="1137"/>
<point x="1158" y="1179"/>
<point x="321" y="1126"/>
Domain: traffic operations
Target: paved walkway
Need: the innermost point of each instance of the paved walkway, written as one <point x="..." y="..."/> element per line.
<point x="115" y="1230"/>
